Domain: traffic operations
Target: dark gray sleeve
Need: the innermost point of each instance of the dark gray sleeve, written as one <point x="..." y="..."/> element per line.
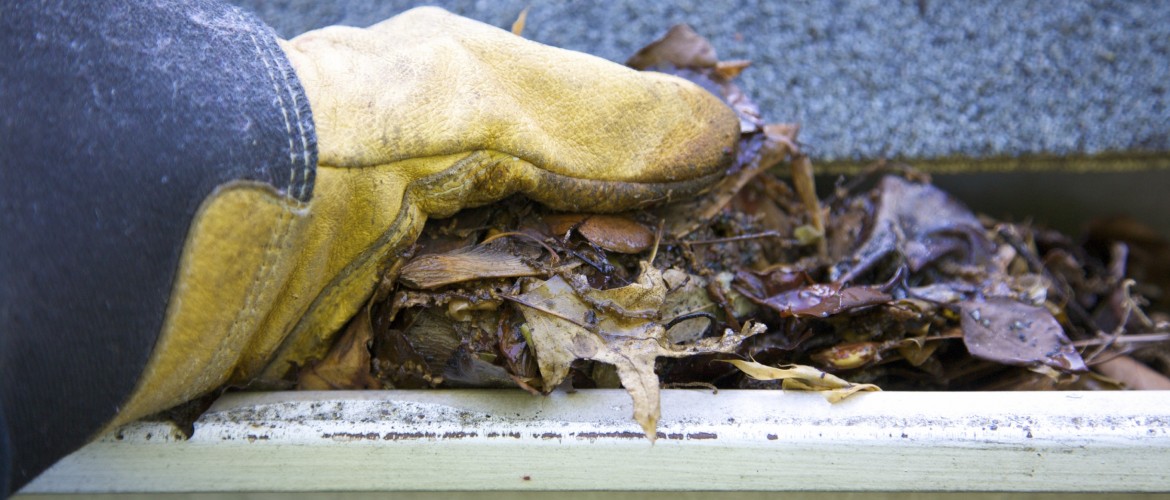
<point x="119" y="118"/>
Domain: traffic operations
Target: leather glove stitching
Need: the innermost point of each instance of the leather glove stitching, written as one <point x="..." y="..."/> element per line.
<point x="272" y="65"/>
<point x="273" y="251"/>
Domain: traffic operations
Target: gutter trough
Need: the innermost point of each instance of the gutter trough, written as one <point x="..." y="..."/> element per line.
<point x="453" y="440"/>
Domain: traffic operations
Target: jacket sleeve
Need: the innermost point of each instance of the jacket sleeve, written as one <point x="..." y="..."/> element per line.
<point x="119" y="118"/>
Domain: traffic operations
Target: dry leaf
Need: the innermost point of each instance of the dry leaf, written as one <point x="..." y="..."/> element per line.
<point x="730" y="70"/>
<point x="347" y="365"/>
<point x="851" y="355"/>
<point x="565" y="327"/>
<point x="804" y="378"/>
<point x="521" y="20"/>
<point x="916" y="351"/>
<point x="686" y="294"/>
<point x="465" y="264"/>
<point x="1133" y="374"/>
<point x="681" y="47"/>
<point x="757" y="153"/>
<point x="614" y="233"/>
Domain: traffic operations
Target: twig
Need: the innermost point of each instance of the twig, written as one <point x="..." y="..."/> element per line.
<point x="657" y="241"/>
<point x="692" y="315"/>
<point x="551" y="252"/>
<point x="1117" y="332"/>
<point x="805" y="184"/>
<point x="1063" y="289"/>
<point x="716" y="291"/>
<point x="742" y="237"/>
<point x="518" y="300"/>
<point x="1134" y="338"/>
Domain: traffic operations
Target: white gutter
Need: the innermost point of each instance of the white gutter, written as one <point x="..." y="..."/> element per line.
<point x="733" y="440"/>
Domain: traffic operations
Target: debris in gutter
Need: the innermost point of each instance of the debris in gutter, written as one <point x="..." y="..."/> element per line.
<point x="886" y="282"/>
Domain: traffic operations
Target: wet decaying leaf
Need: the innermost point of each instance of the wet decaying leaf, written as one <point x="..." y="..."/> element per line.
<point x="920" y="224"/>
<point x="1006" y="331"/>
<point x="886" y="282"/>
<point x="823" y="300"/>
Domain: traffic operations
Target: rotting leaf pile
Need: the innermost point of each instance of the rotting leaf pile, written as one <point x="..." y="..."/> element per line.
<point x="886" y="282"/>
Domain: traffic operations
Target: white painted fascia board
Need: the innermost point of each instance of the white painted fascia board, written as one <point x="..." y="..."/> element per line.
<point x="733" y="440"/>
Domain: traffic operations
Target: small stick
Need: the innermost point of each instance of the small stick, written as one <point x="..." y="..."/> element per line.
<point x="657" y="241"/>
<point x="742" y="237"/>
<point x="552" y="253"/>
<point x="549" y="312"/>
<point x="802" y="179"/>
<point x="1124" y="339"/>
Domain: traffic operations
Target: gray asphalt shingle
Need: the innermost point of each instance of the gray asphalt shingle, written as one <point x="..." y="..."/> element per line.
<point x="871" y="78"/>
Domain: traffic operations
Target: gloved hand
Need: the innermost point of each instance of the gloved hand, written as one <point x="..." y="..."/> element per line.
<point x="418" y="116"/>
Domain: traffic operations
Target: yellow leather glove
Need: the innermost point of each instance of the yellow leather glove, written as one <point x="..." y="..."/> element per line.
<point x="418" y="116"/>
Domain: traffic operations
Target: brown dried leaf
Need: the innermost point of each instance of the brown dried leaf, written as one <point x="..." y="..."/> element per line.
<point x="466" y="369"/>
<point x="614" y="233"/>
<point x="916" y="351"/>
<point x="778" y="279"/>
<point x="1133" y="374"/>
<point x="777" y="142"/>
<point x="346" y="365"/>
<point x="730" y="70"/>
<point x="521" y="20"/>
<point x="564" y="328"/>
<point x="400" y="365"/>
<point x="397" y="363"/>
<point x="849" y="355"/>
<point x="465" y="264"/>
<point x="680" y="47"/>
